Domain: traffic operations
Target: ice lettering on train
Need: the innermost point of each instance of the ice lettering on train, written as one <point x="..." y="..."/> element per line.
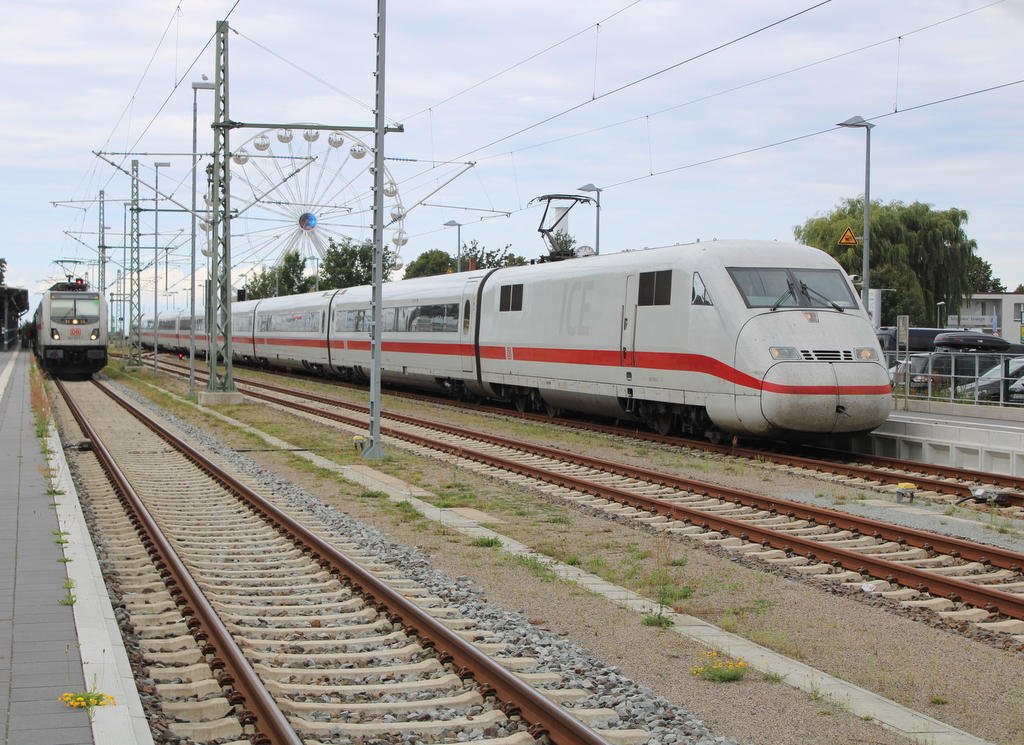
<point x="575" y="316"/>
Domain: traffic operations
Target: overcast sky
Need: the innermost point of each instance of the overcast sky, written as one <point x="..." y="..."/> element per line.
<point x="698" y="120"/>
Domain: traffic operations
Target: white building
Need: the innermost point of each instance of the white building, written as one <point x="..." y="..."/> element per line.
<point x="991" y="312"/>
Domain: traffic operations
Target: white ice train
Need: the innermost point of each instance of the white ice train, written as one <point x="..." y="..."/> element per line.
<point x="70" y="329"/>
<point x="751" y="338"/>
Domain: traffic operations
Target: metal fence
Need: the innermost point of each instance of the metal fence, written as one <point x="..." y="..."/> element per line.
<point x="982" y="378"/>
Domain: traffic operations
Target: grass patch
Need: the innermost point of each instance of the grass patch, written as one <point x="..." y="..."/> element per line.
<point x="486" y="542"/>
<point x="719" y="668"/>
<point x="656" y="619"/>
<point x="406" y="512"/>
<point x="534" y="566"/>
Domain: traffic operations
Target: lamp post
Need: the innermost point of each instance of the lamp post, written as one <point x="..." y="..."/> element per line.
<point x="316" y="273"/>
<point x="156" y="262"/>
<point x="938" y="311"/>
<point x="853" y="122"/>
<point x="197" y="86"/>
<point x="597" y="228"/>
<point x="458" y="243"/>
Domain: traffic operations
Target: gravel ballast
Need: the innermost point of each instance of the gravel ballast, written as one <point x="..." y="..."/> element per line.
<point x="929" y="668"/>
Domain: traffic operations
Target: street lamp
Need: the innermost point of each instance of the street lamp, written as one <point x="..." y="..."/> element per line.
<point x="938" y="310"/>
<point x="156" y="262"/>
<point x="853" y="122"/>
<point x="597" y="228"/>
<point x="203" y="86"/>
<point x="458" y="243"/>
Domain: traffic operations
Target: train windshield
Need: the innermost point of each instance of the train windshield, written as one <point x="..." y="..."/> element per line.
<point x="75" y="307"/>
<point x="793" y="288"/>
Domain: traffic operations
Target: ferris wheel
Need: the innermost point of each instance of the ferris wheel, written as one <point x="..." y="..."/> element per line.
<point x="297" y="193"/>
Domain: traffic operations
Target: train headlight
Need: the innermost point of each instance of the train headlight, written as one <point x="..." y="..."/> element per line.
<point x="784" y="353"/>
<point x="95" y="334"/>
<point x="54" y="334"/>
<point x="867" y="354"/>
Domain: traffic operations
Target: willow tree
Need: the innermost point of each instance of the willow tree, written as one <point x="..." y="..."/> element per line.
<point x="919" y="256"/>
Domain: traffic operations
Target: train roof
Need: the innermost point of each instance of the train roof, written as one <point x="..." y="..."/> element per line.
<point x="757" y="253"/>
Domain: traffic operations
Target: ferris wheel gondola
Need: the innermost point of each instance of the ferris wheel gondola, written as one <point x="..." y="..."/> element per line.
<point x="297" y="194"/>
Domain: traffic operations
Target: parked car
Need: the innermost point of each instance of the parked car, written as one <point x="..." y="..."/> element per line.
<point x="989" y="385"/>
<point x="943" y="369"/>
<point x="976" y="341"/>
<point x="919" y="340"/>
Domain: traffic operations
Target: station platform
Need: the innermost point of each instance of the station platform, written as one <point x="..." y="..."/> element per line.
<point x="57" y="629"/>
<point x="979" y="438"/>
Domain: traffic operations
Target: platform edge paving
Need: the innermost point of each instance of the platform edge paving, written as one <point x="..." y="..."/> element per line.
<point x="104" y="658"/>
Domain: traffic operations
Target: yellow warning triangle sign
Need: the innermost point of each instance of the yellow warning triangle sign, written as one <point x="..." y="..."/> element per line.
<point x="848" y="239"/>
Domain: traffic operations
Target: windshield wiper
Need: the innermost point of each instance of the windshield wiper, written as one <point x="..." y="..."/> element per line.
<point x="784" y="295"/>
<point x="810" y="291"/>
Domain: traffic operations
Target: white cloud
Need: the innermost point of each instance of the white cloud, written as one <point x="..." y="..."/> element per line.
<point x="76" y="81"/>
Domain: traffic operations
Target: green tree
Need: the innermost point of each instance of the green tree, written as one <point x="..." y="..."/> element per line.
<point x="435" y="261"/>
<point x="1019" y="290"/>
<point x="287" y="278"/>
<point x="564" y="243"/>
<point x="291" y="274"/>
<point x="430" y="264"/>
<point x="261" y="285"/>
<point x="981" y="277"/>
<point x="922" y="256"/>
<point x="348" y="264"/>
<point x="488" y="258"/>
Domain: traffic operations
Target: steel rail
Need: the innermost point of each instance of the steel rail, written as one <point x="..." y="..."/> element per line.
<point x="989" y="598"/>
<point x="866" y="468"/>
<point x="545" y="716"/>
<point x="261" y="710"/>
<point x="955" y="547"/>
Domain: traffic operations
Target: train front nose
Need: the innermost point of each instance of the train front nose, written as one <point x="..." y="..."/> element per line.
<point x="826" y="397"/>
<point x="813" y="372"/>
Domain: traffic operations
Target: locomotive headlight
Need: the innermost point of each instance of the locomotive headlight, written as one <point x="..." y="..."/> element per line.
<point x="95" y="334"/>
<point x="784" y="353"/>
<point x="865" y="353"/>
<point x="54" y="334"/>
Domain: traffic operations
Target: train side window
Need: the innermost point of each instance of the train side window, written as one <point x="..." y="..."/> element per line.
<point x="511" y="298"/>
<point x="700" y="296"/>
<point x="388" y="316"/>
<point x="465" y="318"/>
<point x="655" y="288"/>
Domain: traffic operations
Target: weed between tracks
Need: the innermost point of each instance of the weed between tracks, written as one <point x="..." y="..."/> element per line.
<point x="718" y="668"/>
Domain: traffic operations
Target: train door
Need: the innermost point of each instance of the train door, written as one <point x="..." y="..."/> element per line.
<point x="330" y="329"/>
<point x="627" y="326"/>
<point x="467" y="326"/>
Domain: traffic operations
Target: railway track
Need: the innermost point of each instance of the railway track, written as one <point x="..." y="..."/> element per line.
<point x="976" y="488"/>
<point x="255" y="625"/>
<point x="979" y="584"/>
